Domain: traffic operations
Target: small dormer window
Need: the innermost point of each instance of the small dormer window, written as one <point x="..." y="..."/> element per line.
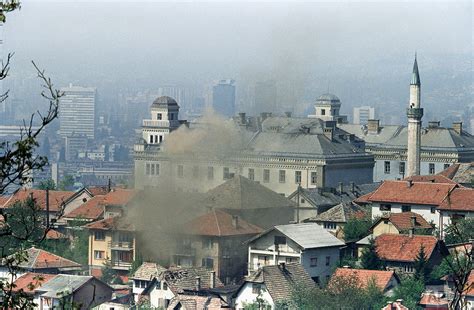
<point x="159" y="116"/>
<point x="323" y="112"/>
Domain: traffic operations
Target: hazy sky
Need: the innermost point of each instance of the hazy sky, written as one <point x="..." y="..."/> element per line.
<point x="155" y="42"/>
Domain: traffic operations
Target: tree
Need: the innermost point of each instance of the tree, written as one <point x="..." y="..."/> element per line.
<point x="409" y="290"/>
<point x="47" y="184"/>
<point x="421" y="266"/>
<point x="370" y="259"/>
<point x="459" y="231"/>
<point x="356" y="228"/>
<point x="66" y="183"/>
<point x="17" y="161"/>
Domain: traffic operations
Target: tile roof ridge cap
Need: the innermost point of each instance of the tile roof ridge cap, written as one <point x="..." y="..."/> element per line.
<point x="36" y="256"/>
<point x="217" y="222"/>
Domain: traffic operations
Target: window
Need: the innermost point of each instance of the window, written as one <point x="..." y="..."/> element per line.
<point x="151" y="139"/>
<point x="159" y="116"/>
<point x="99" y="254"/>
<point x="316" y="280"/>
<point x="282" y="176"/>
<point x="266" y="175"/>
<point x="385" y="207"/>
<point x="280" y="240"/>
<point x="99" y="235"/>
<point x="291" y="260"/>
<point x="147" y="170"/>
<point x="152" y="170"/>
<point x="386" y="167"/>
<point x="161" y="138"/>
<point x="406" y="208"/>
<point x="313" y="262"/>
<point x="157" y="169"/>
<point x="158" y="285"/>
<point x="302" y="200"/>
<point x="143" y="284"/>
<point x="207" y="243"/>
<point x="171" y="116"/>
<point x="446" y="166"/>
<point x="256" y="289"/>
<point x="431" y="168"/>
<point x="251" y="174"/>
<point x="401" y="168"/>
<point x="328" y="260"/>
<point x="298" y="177"/>
<point x="226" y="173"/>
<point x="165" y="286"/>
<point x="180" y="171"/>
<point x="329" y="225"/>
<point x="210" y="173"/>
<point x="314" y="178"/>
<point x="195" y="172"/>
<point x="408" y="268"/>
<point x="433" y="210"/>
<point x="323" y="112"/>
<point x="207" y="262"/>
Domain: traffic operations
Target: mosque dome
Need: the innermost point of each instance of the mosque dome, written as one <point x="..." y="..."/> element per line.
<point x="328" y="98"/>
<point x="164" y="101"/>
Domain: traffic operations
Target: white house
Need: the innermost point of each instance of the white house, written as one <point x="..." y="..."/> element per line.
<point x="271" y="285"/>
<point x="308" y="244"/>
<point x="144" y="275"/>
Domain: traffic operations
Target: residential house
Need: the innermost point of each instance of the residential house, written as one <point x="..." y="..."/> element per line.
<point x="272" y="285"/>
<point x="385" y="280"/>
<point x="216" y="240"/>
<point x="193" y="301"/>
<point x="29" y="282"/>
<point x="111" y="240"/>
<point x="399" y="252"/>
<point x="395" y="305"/>
<point x="461" y="173"/>
<point x="308" y="244"/>
<point x="175" y="282"/>
<point x="41" y="261"/>
<point x="433" y="301"/>
<point x="143" y="276"/>
<point x="90" y="211"/>
<point x="314" y="201"/>
<point x="438" y="203"/>
<point x="469" y="291"/>
<point x="401" y="223"/>
<point x="334" y="219"/>
<point x="80" y="292"/>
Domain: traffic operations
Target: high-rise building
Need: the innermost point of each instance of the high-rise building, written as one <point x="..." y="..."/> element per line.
<point x="363" y="114"/>
<point x="77" y="111"/>
<point x="223" y="97"/>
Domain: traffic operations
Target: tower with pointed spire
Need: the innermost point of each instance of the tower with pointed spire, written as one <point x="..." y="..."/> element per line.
<point x="414" y="113"/>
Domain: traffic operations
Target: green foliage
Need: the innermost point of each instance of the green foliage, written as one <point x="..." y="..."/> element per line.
<point x="421" y="266"/>
<point x="48" y="184"/>
<point x="348" y="260"/>
<point x="66" y="183"/>
<point x="459" y="231"/>
<point x="135" y="265"/>
<point x="356" y="229"/>
<point x="369" y="259"/>
<point x="409" y="290"/>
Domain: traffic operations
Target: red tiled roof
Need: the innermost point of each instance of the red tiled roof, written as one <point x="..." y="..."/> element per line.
<point x="395" y="306"/>
<point x="402" y="221"/>
<point x="111" y="223"/>
<point x="363" y="199"/>
<point x="382" y="278"/>
<point x="54" y="234"/>
<point x="450" y="172"/>
<point x="433" y="178"/>
<point x="417" y="193"/>
<point x="119" y="196"/>
<point x="219" y="223"/>
<point x="31" y="281"/>
<point x="469" y="290"/>
<point x="91" y="209"/>
<point x="429" y="299"/>
<point x="41" y="259"/>
<point x="460" y="199"/>
<point x="3" y="200"/>
<point x="404" y="248"/>
<point x="98" y="190"/>
<point x="56" y="198"/>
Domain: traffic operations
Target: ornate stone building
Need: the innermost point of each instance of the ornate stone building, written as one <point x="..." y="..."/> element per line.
<point x="278" y="152"/>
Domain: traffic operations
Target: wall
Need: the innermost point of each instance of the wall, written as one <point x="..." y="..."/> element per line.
<point x="246" y="296"/>
<point x="380" y="175"/>
<point x="99" y="245"/>
<point x="92" y="293"/>
<point x="158" y="295"/>
<point x="320" y="270"/>
<point x="383" y="228"/>
<point x="423" y="210"/>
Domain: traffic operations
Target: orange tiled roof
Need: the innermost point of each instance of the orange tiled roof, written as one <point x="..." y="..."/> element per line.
<point x="460" y="199"/>
<point x="3" y="200"/>
<point x="98" y="190"/>
<point x="429" y="299"/>
<point x="450" y="172"/>
<point x="432" y="178"/>
<point x="111" y="223"/>
<point x="424" y="193"/>
<point x="41" y="259"/>
<point x="56" y="198"/>
<point x="403" y="248"/>
<point x="54" y="234"/>
<point x="219" y="223"/>
<point x="119" y="196"/>
<point x="91" y="209"/>
<point x="381" y="277"/>
<point x="469" y="290"/>
<point x="31" y="281"/>
<point x="402" y="221"/>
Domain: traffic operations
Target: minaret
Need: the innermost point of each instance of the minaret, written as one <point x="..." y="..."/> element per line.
<point x="414" y="113"/>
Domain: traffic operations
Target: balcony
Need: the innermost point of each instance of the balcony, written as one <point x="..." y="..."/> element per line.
<point x="120" y="245"/>
<point x="120" y="265"/>
<point x="160" y="123"/>
<point x="185" y="251"/>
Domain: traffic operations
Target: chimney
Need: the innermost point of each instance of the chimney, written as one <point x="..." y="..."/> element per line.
<point x="329" y="133"/>
<point x="198" y="284"/>
<point x="288" y="114"/>
<point x="411" y="232"/>
<point x="109" y="185"/>
<point x="212" y="280"/>
<point x="235" y="221"/>
<point x="243" y="120"/>
<point x="341" y="187"/>
<point x="433" y="124"/>
<point x="457" y="126"/>
<point x="413" y="221"/>
<point x="352" y="187"/>
<point x="373" y="126"/>
<point x="409" y="183"/>
<point x="283" y="266"/>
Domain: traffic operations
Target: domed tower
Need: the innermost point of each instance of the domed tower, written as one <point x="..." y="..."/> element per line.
<point x="164" y="119"/>
<point x="414" y="114"/>
<point x="327" y="108"/>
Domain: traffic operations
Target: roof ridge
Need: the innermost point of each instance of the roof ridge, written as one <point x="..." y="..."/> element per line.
<point x="217" y="223"/>
<point x="36" y="256"/>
